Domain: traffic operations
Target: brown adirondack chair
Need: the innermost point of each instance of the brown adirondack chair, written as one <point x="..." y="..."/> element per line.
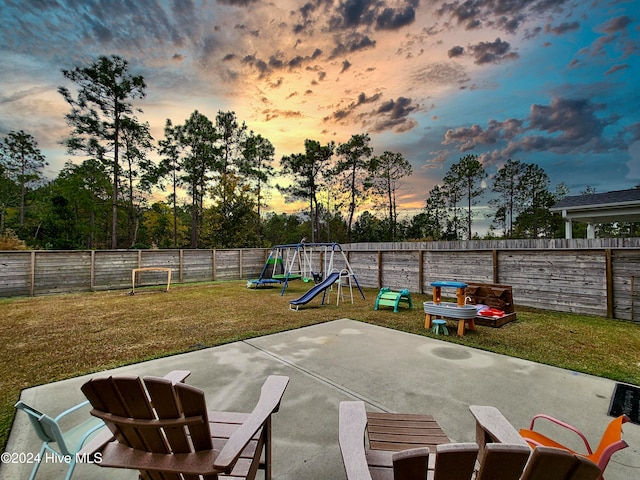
<point x="505" y="461"/>
<point x="163" y="429"/>
<point x="548" y="463"/>
<point x="455" y="461"/>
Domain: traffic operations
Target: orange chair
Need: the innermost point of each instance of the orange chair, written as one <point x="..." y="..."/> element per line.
<point x="610" y="442"/>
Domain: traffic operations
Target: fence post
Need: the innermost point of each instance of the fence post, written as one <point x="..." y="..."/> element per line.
<point x="609" y="280"/>
<point x="213" y="265"/>
<point x="32" y="274"/>
<point x="496" y="272"/>
<point x="92" y="273"/>
<point x="420" y="271"/>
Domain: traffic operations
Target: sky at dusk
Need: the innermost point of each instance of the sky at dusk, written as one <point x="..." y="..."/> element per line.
<point x="551" y="82"/>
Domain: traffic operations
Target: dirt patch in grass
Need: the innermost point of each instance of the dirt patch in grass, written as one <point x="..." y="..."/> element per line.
<point x="45" y="339"/>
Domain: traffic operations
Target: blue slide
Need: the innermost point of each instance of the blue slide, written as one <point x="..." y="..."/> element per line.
<point x="311" y="294"/>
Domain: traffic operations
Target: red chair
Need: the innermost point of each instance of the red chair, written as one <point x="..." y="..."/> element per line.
<point x="610" y="442"/>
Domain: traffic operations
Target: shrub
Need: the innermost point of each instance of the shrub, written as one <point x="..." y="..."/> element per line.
<point x="10" y="241"/>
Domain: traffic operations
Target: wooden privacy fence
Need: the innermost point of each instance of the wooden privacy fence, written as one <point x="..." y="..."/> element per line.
<point x="45" y="272"/>
<point x="600" y="281"/>
<point x="594" y="282"/>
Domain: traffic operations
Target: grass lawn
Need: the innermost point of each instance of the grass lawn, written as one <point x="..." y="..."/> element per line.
<point x="51" y="338"/>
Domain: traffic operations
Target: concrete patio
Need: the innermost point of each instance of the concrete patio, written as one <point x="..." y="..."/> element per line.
<point x="346" y="360"/>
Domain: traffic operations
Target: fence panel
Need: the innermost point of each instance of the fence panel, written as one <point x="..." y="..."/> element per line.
<point x="566" y="281"/>
<point x="457" y="266"/>
<point x="15" y="273"/>
<point x="253" y="259"/>
<point x="113" y="268"/>
<point x="197" y="266"/>
<point x="400" y="269"/>
<point x="626" y="285"/>
<point x="228" y="264"/>
<point x="60" y="272"/>
<point x="365" y="265"/>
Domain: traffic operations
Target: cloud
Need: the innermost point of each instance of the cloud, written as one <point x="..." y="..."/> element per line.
<point x="508" y="16"/>
<point x="436" y="161"/>
<point x="634" y="130"/>
<point x="634" y="163"/>
<point x="372" y="13"/>
<point x="259" y="65"/>
<point x="469" y="138"/>
<point x="276" y="62"/>
<point x="440" y="74"/>
<point x="616" y="39"/>
<point x="393" y="19"/>
<point x="238" y="3"/>
<point x="572" y="122"/>
<point x="389" y="115"/>
<point x="272" y="114"/>
<point x="353" y="13"/>
<point x="461" y="12"/>
<point x="564" y="126"/>
<point x="616" y="24"/>
<point x="492" y="52"/>
<point x="455" y="52"/>
<point x="22" y="94"/>
<point x="350" y="43"/>
<point x="347" y="111"/>
<point x="394" y="115"/>
<point x="617" y="68"/>
<point x="562" y="28"/>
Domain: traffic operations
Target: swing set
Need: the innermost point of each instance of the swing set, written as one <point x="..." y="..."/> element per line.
<point x="309" y="262"/>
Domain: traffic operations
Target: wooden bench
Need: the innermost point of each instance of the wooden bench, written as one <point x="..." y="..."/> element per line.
<point x="149" y="269"/>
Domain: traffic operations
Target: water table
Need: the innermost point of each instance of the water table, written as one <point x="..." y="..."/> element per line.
<point x="464" y="314"/>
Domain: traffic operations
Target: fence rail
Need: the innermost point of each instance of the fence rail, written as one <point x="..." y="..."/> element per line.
<point x="603" y="281"/>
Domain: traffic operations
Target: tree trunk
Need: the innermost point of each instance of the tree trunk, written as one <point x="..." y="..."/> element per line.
<point x="92" y="226"/>
<point x="175" y="213"/>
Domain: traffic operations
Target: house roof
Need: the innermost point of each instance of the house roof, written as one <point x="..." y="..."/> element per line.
<point x="616" y="206"/>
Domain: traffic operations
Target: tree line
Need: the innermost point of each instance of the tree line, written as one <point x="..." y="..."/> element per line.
<point x="217" y="175"/>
